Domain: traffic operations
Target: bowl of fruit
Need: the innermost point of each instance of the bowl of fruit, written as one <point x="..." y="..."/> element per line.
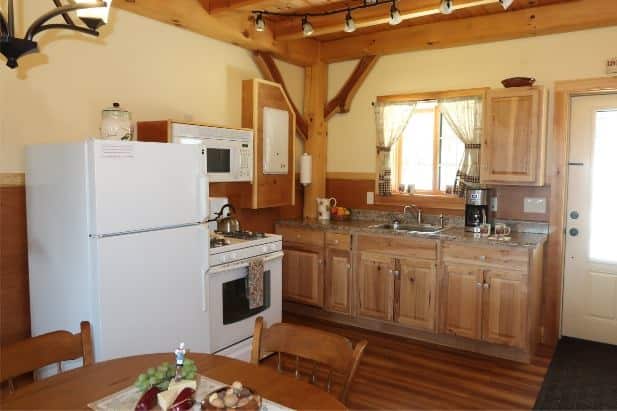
<point x="159" y="386"/>
<point x="233" y="397"/>
<point x="340" y="213"/>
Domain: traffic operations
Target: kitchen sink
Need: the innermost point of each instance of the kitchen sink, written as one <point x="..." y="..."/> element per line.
<point x="424" y="228"/>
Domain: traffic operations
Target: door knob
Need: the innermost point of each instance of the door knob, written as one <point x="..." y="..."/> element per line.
<point x="573" y="232"/>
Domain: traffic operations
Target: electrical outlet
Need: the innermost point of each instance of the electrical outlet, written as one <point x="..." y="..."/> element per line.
<point x="494" y="204"/>
<point x="370" y="197"/>
<point x="534" y="205"/>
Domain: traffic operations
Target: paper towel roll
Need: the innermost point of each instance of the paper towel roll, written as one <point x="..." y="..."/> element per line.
<point x="305" y="169"/>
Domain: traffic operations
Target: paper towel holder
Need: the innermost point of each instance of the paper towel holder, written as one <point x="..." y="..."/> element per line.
<point x="305" y="169"/>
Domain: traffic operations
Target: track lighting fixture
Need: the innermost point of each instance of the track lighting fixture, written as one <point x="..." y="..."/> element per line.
<point x="446" y="6"/>
<point x="307" y="27"/>
<point x="506" y="3"/>
<point x="260" y="24"/>
<point x="394" y="18"/>
<point x="395" y="15"/>
<point x="350" y="25"/>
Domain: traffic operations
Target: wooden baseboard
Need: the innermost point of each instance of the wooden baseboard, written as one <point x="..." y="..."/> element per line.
<point x="12" y="179"/>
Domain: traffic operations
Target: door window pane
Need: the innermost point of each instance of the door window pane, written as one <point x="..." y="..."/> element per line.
<point x="603" y="183"/>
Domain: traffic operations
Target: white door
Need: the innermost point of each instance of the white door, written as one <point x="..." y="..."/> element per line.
<point x="590" y="278"/>
<point x="150" y="292"/>
<point x="138" y="186"/>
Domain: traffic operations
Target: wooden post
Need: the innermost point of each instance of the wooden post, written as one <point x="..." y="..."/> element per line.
<point x="315" y="95"/>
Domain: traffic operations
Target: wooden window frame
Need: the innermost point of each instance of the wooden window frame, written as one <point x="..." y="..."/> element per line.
<point x="427" y="200"/>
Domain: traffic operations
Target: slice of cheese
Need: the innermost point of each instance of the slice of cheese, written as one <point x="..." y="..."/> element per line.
<point x="167" y="398"/>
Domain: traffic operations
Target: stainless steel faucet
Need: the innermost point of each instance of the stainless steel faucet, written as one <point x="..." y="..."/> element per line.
<point x="418" y="211"/>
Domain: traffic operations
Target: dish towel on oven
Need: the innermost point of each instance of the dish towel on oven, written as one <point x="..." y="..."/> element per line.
<point x="256" y="283"/>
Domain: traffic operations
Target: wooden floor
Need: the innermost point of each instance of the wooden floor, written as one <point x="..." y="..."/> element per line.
<point x="397" y="373"/>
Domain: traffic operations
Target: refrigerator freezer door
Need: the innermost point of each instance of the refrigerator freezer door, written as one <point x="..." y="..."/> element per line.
<point x="150" y="292"/>
<point x="138" y="186"/>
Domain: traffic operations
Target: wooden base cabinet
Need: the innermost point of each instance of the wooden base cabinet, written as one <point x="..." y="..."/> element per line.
<point x="416" y="293"/>
<point x="337" y="281"/>
<point x="463" y="303"/>
<point x="302" y="276"/>
<point x="376" y="286"/>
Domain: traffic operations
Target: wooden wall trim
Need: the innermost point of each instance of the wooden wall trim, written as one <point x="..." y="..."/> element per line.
<point x="434" y="95"/>
<point x="12" y="179"/>
<point x="557" y="175"/>
<point x="343" y="175"/>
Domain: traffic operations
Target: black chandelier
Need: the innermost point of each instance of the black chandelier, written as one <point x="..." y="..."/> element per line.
<point x="92" y="13"/>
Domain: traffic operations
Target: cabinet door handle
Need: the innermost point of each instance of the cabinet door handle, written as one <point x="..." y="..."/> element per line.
<point x="396" y="273"/>
<point x="486" y="285"/>
<point x="483" y="257"/>
<point x="479" y="285"/>
<point x="411" y="279"/>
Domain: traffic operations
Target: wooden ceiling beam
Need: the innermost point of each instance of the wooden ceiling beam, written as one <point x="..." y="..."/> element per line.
<point x="342" y="101"/>
<point x="235" y="29"/>
<point x="218" y="7"/>
<point x="550" y="19"/>
<point x="289" y="29"/>
<point x="270" y="71"/>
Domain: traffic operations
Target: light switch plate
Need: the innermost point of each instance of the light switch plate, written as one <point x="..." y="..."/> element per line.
<point x="534" y="205"/>
<point x="494" y="204"/>
<point x="370" y="197"/>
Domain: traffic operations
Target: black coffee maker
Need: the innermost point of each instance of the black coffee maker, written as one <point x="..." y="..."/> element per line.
<point x="476" y="209"/>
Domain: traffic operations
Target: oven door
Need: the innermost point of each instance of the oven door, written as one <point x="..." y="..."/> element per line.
<point x="231" y="319"/>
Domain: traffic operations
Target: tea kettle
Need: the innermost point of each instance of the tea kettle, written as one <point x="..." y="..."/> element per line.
<point x="227" y="224"/>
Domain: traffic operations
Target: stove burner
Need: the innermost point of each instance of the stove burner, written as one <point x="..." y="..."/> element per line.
<point x="245" y="235"/>
<point x="218" y="242"/>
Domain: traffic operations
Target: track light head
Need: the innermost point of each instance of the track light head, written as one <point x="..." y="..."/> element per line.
<point x="446" y="7"/>
<point x="260" y="24"/>
<point x="506" y="3"/>
<point x="307" y="27"/>
<point x="350" y="25"/>
<point x="395" y="15"/>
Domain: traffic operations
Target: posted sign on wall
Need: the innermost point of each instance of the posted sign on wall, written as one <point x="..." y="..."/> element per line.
<point x="611" y="66"/>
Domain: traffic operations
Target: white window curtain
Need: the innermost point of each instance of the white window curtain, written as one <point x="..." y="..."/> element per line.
<point x="464" y="115"/>
<point x="391" y="120"/>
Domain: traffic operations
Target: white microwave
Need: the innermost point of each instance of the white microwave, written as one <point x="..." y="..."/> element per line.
<point x="228" y="151"/>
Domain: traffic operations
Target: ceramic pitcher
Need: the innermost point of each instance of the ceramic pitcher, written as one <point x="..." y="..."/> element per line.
<point x="323" y="207"/>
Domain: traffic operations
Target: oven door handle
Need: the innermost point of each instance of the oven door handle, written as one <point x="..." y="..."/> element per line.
<point x="233" y="266"/>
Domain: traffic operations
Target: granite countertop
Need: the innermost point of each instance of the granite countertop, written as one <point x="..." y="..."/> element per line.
<point x="456" y="234"/>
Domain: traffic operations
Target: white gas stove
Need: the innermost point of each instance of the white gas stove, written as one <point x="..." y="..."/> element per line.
<point x="227" y="248"/>
<point x="231" y="319"/>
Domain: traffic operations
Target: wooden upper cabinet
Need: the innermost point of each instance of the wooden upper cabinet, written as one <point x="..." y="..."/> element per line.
<point x="270" y="188"/>
<point x="463" y="300"/>
<point x="505" y="308"/>
<point x="376" y="286"/>
<point x="417" y="294"/>
<point x="303" y="276"/>
<point x="514" y="136"/>
<point x="337" y="281"/>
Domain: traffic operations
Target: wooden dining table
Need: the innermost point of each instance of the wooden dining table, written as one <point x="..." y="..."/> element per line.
<point x="75" y="389"/>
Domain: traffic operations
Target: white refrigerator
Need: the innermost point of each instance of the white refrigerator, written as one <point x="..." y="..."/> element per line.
<point x="115" y="237"/>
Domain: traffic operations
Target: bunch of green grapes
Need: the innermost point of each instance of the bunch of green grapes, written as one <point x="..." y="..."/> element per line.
<point x="161" y="375"/>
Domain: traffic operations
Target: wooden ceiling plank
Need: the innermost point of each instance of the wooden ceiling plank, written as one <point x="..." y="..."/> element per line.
<point x="549" y="19"/>
<point x="218" y="7"/>
<point x="342" y="101"/>
<point x="235" y="29"/>
<point x="288" y="29"/>
<point x="270" y="71"/>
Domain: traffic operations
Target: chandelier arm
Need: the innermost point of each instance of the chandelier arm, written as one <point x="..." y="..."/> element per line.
<point x="73" y="27"/>
<point x="11" y="20"/>
<point x="65" y="16"/>
<point x="3" y="26"/>
<point x="58" y="11"/>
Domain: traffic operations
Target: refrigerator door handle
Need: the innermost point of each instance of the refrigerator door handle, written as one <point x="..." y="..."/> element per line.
<point x="206" y="290"/>
<point x="203" y="193"/>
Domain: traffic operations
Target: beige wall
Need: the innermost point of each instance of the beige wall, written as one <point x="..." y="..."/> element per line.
<point x="351" y="137"/>
<point x="156" y="71"/>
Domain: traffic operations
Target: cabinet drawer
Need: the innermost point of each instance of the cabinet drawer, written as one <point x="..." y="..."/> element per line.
<point x="301" y="235"/>
<point x="337" y="240"/>
<point x="513" y="258"/>
<point x="399" y="246"/>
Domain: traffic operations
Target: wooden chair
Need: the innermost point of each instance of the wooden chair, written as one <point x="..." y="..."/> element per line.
<point x="332" y="351"/>
<point x="28" y="355"/>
